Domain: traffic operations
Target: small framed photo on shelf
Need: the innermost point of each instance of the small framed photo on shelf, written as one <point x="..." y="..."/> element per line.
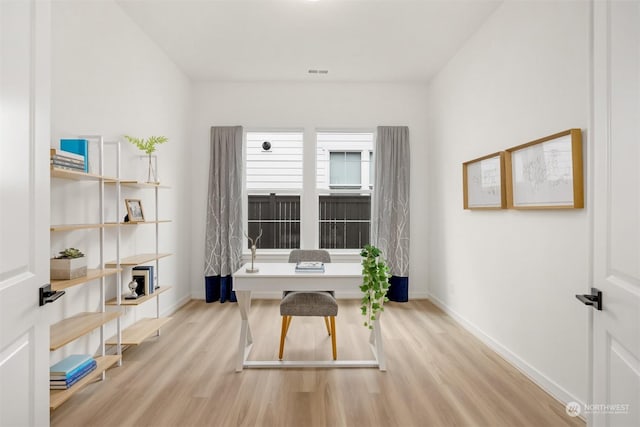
<point x="483" y="182"/>
<point x="546" y="173"/>
<point x="134" y="210"/>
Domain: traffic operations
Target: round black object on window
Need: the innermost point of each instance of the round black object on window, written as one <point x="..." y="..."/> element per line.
<point x="266" y="146"/>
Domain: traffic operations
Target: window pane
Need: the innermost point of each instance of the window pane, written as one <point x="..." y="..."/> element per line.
<point x="345" y="221"/>
<point x="339" y="159"/>
<point x="352" y="168"/>
<point x="274" y="164"/>
<point x="279" y="167"/>
<point x="278" y="216"/>
<point x="344" y="168"/>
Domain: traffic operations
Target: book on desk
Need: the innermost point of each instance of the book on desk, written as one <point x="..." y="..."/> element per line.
<point x="309" y="267"/>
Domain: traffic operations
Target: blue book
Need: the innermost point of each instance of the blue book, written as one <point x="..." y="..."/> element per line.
<point x="63" y="385"/>
<point x="150" y="286"/>
<point x="75" y="375"/>
<point x="69" y="364"/>
<point x="77" y="146"/>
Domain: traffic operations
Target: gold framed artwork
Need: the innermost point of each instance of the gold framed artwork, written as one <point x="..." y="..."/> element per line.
<point x="546" y="173"/>
<point x="484" y="182"/>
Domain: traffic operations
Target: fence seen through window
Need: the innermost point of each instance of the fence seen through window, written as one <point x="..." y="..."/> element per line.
<point x="278" y="216"/>
<point x="345" y="221"/>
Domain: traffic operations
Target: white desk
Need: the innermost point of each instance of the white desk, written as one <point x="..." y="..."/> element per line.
<point x="283" y="277"/>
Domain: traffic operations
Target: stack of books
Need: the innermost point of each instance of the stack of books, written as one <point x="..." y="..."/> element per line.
<point x="310" y="267"/>
<point x="66" y="160"/>
<point x="143" y="274"/>
<point x="70" y="370"/>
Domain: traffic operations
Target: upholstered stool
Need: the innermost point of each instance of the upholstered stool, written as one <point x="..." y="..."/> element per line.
<point x="305" y="303"/>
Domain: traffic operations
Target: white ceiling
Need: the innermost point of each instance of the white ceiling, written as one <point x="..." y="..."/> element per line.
<point x="280" y="40"/>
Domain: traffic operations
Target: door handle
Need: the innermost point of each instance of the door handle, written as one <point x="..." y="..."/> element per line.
<point x="46" y="295"/>
<point x="594" y="299"/>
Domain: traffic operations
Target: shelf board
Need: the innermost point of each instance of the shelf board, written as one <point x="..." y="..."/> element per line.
<point x="140" y="331"/>
<point x="58" y="397"/>
<point x="160" y="221"/>
<point x="69" y="227"/>
<point x="77" y="175"/>
<point x="67" y="330"/>
<point x="137" y="259"/>
<point x="92" y="274"/>
<point x="137" y="184"/>
<point x="139" y="300"/>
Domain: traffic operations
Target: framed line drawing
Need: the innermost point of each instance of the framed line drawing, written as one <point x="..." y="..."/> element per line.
<point x="134" y="210"/>
<point x="483" y="182"/>
<point x="546" y="173"/>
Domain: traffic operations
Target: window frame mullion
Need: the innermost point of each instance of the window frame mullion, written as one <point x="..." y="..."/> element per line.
<point x="309" y="197"/>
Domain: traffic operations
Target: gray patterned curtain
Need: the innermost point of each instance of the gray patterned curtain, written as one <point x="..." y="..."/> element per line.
<point x="391" y="206"/>
<point x="223" y="247"/>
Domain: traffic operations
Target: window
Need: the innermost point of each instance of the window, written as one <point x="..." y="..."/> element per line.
<point x="274" y="184"/>
<point x="344" y="183"/>
<point x="344" y="169"/>
<point x="337" y="210"/>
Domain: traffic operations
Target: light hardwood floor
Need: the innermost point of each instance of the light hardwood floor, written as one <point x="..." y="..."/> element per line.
<point x="438" y="375"/>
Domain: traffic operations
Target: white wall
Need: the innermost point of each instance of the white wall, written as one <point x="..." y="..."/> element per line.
<point x="110" y="79"/>
<point x="309" y="106"/>
<point x="511" y="276"/>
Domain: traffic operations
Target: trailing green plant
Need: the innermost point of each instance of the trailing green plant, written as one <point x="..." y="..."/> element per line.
<point x="147" y="145"/>
<point x="375" y="284"/>
<point x="70" y="253"/>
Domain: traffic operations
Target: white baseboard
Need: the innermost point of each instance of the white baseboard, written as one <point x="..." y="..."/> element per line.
<point x="340" y="295"/>
<point x="544" y="382"/>
<point x="176" y="306"/>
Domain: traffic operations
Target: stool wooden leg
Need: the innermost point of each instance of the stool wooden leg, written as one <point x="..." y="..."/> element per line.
<point x="286" y="331"/>
<point x="283" y="334"/>
<point x="333" y="337"/>
<point x="326" y="323"/>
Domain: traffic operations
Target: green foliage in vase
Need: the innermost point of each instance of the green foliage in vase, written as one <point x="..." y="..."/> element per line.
<point x="375" y="284"/>
<point x="147" y="145"/>
<point x="70" y="253"/>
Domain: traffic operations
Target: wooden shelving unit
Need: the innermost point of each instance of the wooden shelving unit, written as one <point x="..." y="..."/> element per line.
<point x="81" y="324"/>
<point x="71" y="328"/>
<point x="133" y="260"/>
<point x="58" y="397"/>
<point x="140" y="331"/>
<point x="139" y="300"/>
<point x="92" y="274"/>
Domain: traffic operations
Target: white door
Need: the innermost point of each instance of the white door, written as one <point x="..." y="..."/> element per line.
<point x="616" y="201"/>
<point x="24" y="211"/>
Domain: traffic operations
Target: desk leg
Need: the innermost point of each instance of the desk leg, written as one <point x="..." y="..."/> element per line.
<point x="375" y="339"/>
<point x="246" y="339"/>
